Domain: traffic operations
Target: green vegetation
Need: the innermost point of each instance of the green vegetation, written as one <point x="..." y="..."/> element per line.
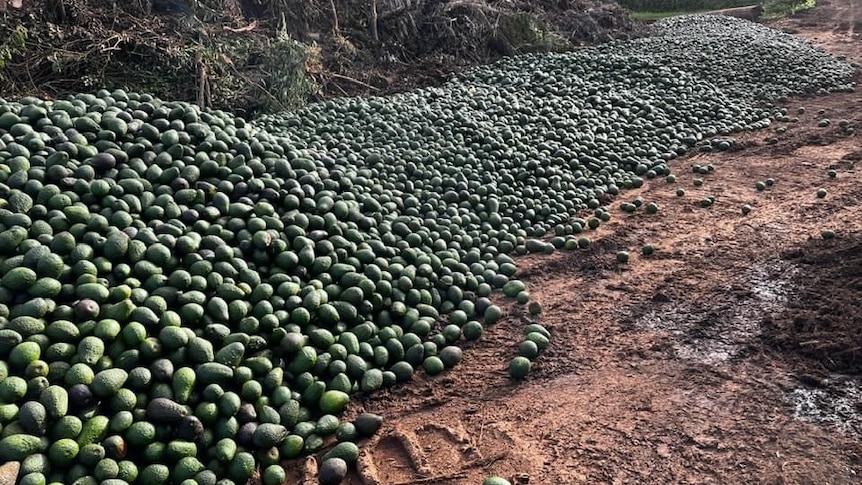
<point x="290" y="85"/>
<point x="659" y="9"/>
<point x="648" y="15"/>
<point x="522" y="33"/>
<point x="683" y="6"/>
<point x="187" y="297"/>
<point x="12" y="45"/>
<point x="773" y="9"/>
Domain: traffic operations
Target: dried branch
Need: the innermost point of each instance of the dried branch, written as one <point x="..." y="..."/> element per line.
<point x="373" y="22"/>
<point x="434" y="479"/>
<point x="247" y="28"/>
<point x="257" y="85"/>
<point x="354" y="81"/>
<point x="334" y="17"/>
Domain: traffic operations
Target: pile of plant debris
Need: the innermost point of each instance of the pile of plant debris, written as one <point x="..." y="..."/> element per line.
<point x="251" y="56"/>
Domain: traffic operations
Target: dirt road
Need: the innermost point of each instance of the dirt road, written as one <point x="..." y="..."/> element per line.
<point x="728" y="356"/>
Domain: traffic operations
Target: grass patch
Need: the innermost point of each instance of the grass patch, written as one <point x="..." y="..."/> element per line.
<point x="659" y="9"/>
<point x="683" y="6"/>
<point x="775" y="9"/>
<point x="659" y="15"/>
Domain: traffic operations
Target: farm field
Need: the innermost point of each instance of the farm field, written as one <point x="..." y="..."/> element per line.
<point x="620" y="264"/>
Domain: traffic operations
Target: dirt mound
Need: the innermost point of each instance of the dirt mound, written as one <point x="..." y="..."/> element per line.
<point x="248" y="56"/>
<point x="822" y="320"/>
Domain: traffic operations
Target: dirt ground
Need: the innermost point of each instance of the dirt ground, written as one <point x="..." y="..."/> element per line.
<point x="730" y="356"/>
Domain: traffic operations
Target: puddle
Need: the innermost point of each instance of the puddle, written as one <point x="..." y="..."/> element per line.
<point x="767" y="288"/>
<point x="713" y="334"/>
<point x="716" y="331"/>
<point x="838" y="405"/>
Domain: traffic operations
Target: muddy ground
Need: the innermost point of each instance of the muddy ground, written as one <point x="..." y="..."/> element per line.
<point x="731" y="355"/>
